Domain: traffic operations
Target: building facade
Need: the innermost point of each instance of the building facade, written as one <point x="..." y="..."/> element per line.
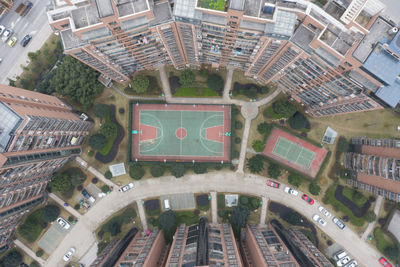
<point x="375" y="166"/>
<point x="319" y="56"/>
<point x="38" y="135"/>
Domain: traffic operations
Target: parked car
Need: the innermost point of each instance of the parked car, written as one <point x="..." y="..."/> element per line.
<point x="291" y="191"/>
<point x="353" y="263"/>
<point x="167" y="206"/>
<point x="324" y="211"/>
<point x="126" y="187"/>
<point x="343" y="261"/>
<point x="6" y="35"/>
<point x="319" y="220"/>
<point x="339" y="223"/>
<point x="308" y="199"/>
<point x="86" y="194"/>
<point x="69" y="253"/>
<point x="64" y="224"/>
<point x="25" y="40"/>
<point x="12" y="41"/>
<point x="340" y="254"/>
<point x="2" y="29"/>
<point x="384" y="262"/>
<point x="273" y="184"/>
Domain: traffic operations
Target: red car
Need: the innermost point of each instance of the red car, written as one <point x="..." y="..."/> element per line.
<point x="384" y="262"/>
<point x="307" y="199"/>
<point x="273" y="184"/>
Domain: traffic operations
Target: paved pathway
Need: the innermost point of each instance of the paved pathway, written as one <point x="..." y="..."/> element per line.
<point x="68" y="208"/>
<point x="95" y="172"/>
<point x="228" y="83"/>
<point x="142" y="214"/>
<point x="214" y="207"/>
<point x="81" y="236"/>
<point x="28" y="251"/>
<point x="264" y="209"/>
<point x="165" y="82"/>
<point x="371" y="225"/>
<point x="243" y="146"/>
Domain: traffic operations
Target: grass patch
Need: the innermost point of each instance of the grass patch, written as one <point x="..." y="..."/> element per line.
<point x="110" y="140"/>
<point x="269" y="113"/>
<point x="382" y="240"/>
<point x="338" y="206"/>
<point x="195" y="91"/>
<point x="352" y="194"/>
<point x="154" y="88"/>
<point x="186" y="217"/>
<point x="31" y="228"/>
<point x="152" y="207"/>
<point x="221" y="201"/>
<point x="213" y="4"/>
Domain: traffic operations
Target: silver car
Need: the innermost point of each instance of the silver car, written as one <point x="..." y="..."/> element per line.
<point x="319" y="220"/>
<point x="6" y="35"/>
<point x="291" y="191"/>
<point x="69" y="253"/>
<point x="324" y="211"/>
<point x="339" y="223"/>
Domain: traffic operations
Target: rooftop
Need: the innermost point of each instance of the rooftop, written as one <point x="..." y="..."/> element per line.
<point x="253" y="7"/>
<point x="85" y="16"/>
<point x="129" y="7"/>
<point x="9" y="122"/>
<point x="105" y="8"/>
<point x="215" y="4"/>
<point x="162" y="13"/>
<point x="237" y="4"/>
<point x="303" y="37"/>
<point x="70" y="40"/>
<point x="390" y="94"/>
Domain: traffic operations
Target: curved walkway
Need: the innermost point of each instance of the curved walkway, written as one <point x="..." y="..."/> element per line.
<point x="81" y="235"/>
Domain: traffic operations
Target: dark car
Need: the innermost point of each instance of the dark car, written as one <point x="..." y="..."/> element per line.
<point x="308" y="199"/>
<point x="25" y="40"/>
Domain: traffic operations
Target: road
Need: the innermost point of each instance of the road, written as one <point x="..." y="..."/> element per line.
<point x="82" y="238"/>
<point x="34" y="23"/>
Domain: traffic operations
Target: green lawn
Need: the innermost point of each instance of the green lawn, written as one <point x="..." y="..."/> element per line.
<point x="349" y="193"/>
<point x="213" y="4"/>
<point x="31" y="228"/>
<point x="110" y="140"/>
<point x="382" y="241"/>
<point x="221" y="201"/>
<point x="269" y="111"/>
<point x="186" y="217"/>
<point x="195" y="92"/>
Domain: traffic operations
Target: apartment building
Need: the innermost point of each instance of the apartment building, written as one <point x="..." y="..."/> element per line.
<point x="204" y="244"/>
<point x="38" y="135"/>
<point x="319" y="56"/>
<point x="375" y="166"/>
<point x="5" y="6"/>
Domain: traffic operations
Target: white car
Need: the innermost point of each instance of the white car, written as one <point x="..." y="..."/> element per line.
<point x="126" y="187"/>
<point x="2" y="28"/>
<point x="353" y="263"/>
<point x="69" y="253"/>
<point x="64" y="224"/>
<point x="325" y="212"/>
<point x="343" y="261"/>
<point x="291" y="191"/>
<point x="319" y="220"/>
<point x="6" y="35"/>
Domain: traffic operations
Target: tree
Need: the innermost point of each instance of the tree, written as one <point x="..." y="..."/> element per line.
<point x="34" y="264"/>
<point x="140" y="84"/>
<point x="167" y="220"/>
<point x="238" y="125"/>
<point x="357" y="196"/>
<point x="101" y="110"/>
<point x="342" y="144"/>
<point x="136" y="171"/>
<point x="370" y="216"/>
<point x="392" y="252"/>
<point x="298" y="121"/>
<point x="240" y="215"/>
<point x="295" y="179"/>
<point x="61" y="183"/>
<point x="264" y="128"/>
<point x="258" y="145"/>
<point x="12" y="259"/>
<point x="293" y="218"/>
<point x="187" y="78"/>
<point x="314" y="188"/>
<point x="109" y="129"/>
<point x="108" y="174"/>
<point x="284" y="108"/>
<point x="215" y="82"/>
<point x="97" y="141"/>
<point x="199" y="168"/>
<point x="105" y="188"/>
<point x="76" y="175"/>
<point x="273" y="170"/>
<point x="178" y="170"/>
<point x="256" y="164"/>
<point x="157" y="170"/>
<point x="250" y="93"/>
<point x="50" y="213"/>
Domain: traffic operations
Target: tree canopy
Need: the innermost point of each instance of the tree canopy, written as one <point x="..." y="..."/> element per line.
<point x="101" y="110"/>
<point x="258" y="145"/>
<point x="61" y="182"/>
<point x="314" y="188"/>
<point x="264" y="127"/>
<point x="187" y="78"/>
<point x="199" y="168"/>
<point x="140" y="83"/>
<point x="167" y="220"/>
<point x="136" y="171"/>
<point x="12" y="259"/>
<point x="178" y="170"/>
<point x="298" y="121"/>
<point x="97" y="141"/>
<point x="250" y="93"/>
<point x="157" y="170"/>
<point x="256" y="164"/>
<point x="50" y="213"/>
<point x="240" y="215"/>
<point x="273" y="170"/>
<point x="215" y="82"/>
<point x="343" y="145"/>
<point x="284" y="108"/>
<point x="293" y="218"/>
<point x="109" y="129"/>
<point x="76" y="175"/>
<point x="295" y="179"/>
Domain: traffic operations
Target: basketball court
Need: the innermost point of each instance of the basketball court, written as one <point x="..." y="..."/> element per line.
<point x="176" y="132"/>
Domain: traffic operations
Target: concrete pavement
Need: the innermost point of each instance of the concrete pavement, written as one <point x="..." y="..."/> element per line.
<point x="214" y="207"/>
<point x="228" y="83"/>
<point x="371" y="225"/>
<point x="95" y="172"/>
<point x="243" y="146"/>
<point x="264" y="210"/>
<point x="142" y="214"/>
<point x="30" y="253"/>
<point x="81" y="236"/>
<point x="68" y="208"/>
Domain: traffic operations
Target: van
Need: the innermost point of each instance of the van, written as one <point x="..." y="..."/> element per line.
<point x="166" y="204"/>
<point x="340" y="254"/>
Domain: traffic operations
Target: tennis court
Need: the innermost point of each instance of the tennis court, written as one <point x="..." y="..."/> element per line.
<point x="165" y="132"/>
<point x="293" y="152"/>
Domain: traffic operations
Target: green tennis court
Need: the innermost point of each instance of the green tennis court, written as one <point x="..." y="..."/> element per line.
<point x="293" y="152"/>
<point x="181" y="133"/>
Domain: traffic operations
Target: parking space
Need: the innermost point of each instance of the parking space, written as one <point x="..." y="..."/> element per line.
<point x="179" y="201"/>
<point x="93" y="190"/>
<point x="52" y="238"/>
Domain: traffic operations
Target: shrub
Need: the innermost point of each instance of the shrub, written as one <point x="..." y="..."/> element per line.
<point x="204" y="73"/>
<point x="136" y="171"/>
<point x="61" y="183"/>
<point x="108" y="174"/>
<point x="178" y="170"/>
<point x="109" y="129"/>
<point x="258" y="145"/>
<point x="243" y="200"/>
<point x="157" y="170"/>
<point x="77" y="206"/>
<point x="238" y="140"/>
<point x="43" y="225"/>
<point x="71" y="219"/>
<point x="167" y="220"/>
<point x="95" y="180"/>
<point x="274" y="171"/>
<point x="264" y="128"/>
<point x="314" y="188"/>
<point x="264" y="89"/>
<point x="238" y="125"/>
<point x="298" y="121"/>
<point x="76" y="175"/>
<point x="39" y="253"/>
<point x="284" y="108"/>
<point x="121" y="110"/>
<point x="342" y="145"/>
<point x="215" y="82"/>
<point x="199" y="168"/>
<point x="50" y="213"/>
<point x="79" y="188"/>
<point x="151" y="220"/>
<point x="13" y="259"/>
<point x="256" y="164"/>
<point x="370" y="216"/>
<point x="293" y="218"/>
<point x="187" y="78"/>
<point x="101" y="110"/>
<point x="250" y="93"/>
<point x="105" y="188"/>
<point x="34" y="264"/>
<point x="97" y="141"/>
<point x="295" y="179"/>
<point x="140" y="84"/>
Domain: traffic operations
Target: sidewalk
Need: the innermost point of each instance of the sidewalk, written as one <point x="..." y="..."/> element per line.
<point x="28" y="251"/>
<point x="68" y="208"/>
<point x="371" y="225"/>
<point x="84" y="164"/>
<point x="142" y="214"/>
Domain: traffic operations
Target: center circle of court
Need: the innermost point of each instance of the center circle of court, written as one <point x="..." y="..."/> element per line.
<point x="181" y="133"/>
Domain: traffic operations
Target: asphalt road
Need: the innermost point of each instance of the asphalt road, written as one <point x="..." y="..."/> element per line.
<point x="82" y="238"/>
<point x="34" y="23"/>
